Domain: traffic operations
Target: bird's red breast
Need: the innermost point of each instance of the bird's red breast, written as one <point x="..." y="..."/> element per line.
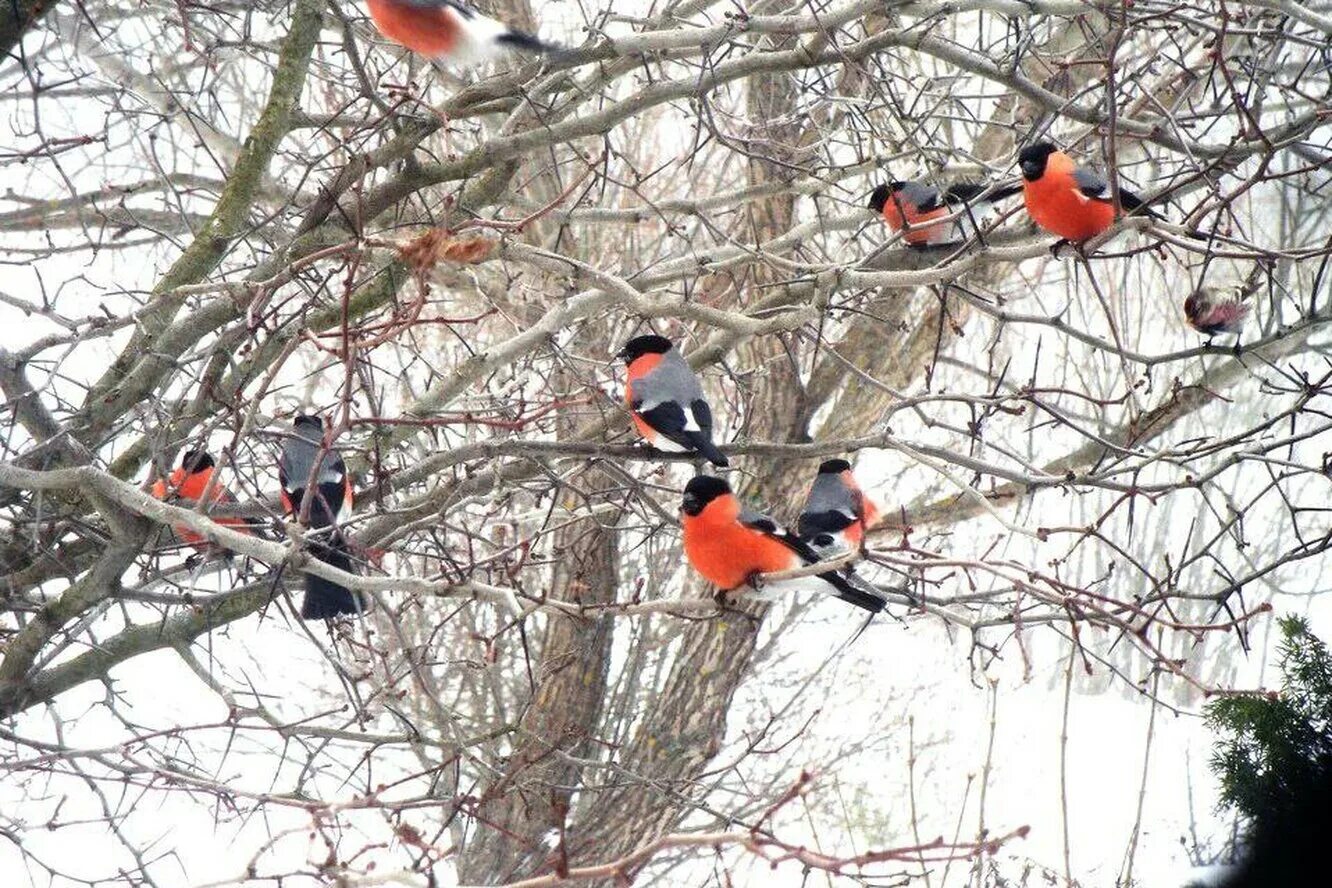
<point x="638" y="368"/>
<point x="726" y="552"/>
<point x="189" y="487"/>
<point x="898" y="213"/>
<point x="431" y="31"/>
<point x="641" y="366"/>
<point x="1057" y="204"/>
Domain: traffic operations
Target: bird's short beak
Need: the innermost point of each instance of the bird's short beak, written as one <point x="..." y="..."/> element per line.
<point x="689" y="505"/>
<point x="1030" y="170"/>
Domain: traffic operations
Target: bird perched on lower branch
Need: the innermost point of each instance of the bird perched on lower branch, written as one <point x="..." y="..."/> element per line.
<point x="911" y="207"/>
<point x="188" y="484"/>
<point x="1069" y="200"/>
<point x="731" y="545"/>
<point x="836" y="513"/>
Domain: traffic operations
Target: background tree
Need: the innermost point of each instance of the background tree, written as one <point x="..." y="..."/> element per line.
<point x="1274" y="760"/>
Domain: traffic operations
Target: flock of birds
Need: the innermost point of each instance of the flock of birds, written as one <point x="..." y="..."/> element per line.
<point x="725" y="541"/>
<point x="728" y="543"/>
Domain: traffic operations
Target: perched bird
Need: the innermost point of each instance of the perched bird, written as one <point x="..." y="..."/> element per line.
<point x="324" y="599"/>
<point x="836" y="513"/>
<point x="448" y="32"/>
<point x="1066" y="199"/>
<point x="187" y="484"/>
<point x="666" y="399"/>
<point x="1216" y="310"/>
<point x="910" y="207"/>
<point x="731" y="545"/>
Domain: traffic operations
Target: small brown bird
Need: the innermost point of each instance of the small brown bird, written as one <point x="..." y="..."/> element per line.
<point x="1213" y="311"/>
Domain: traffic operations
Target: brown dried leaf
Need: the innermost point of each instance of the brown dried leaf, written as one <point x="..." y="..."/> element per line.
<point x="437" y="245"/>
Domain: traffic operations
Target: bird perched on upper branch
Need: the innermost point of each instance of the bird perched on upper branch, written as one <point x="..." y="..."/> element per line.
<point x="836" y="513"/>
<point x="449" y="32"/>
<point x="324" y="599"/>
<point x="666" y="399"/>
<point x="731" y="545"/>
<point x="911" y="207"/>
<point x="1069" y="200"/>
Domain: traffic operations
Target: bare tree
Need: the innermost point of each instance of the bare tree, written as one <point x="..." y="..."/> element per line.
<point x="219" y="216"/>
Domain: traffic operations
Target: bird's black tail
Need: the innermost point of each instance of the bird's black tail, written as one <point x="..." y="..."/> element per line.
<point x="853" y="590"/>
<point x="1134" y="204"/>
<point x="1005" y="192"/>
<point x="703" y="444"/>
<point x="966" y="192"/>
<point x="325" y="599"/>
<point x="524" y="42"/>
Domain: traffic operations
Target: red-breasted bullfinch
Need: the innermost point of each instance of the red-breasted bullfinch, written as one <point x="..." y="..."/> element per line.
<point x="911" y="207"/>
<point x="447" y="31"/>
<point x="731" y="545"/>
<point x="187" y="484"/>
<point x="837" y="513"/>
<point x="1068" y="200"/>
<point x="1216" y="310"/>
<point x="324" y="599"/>
<point x="666" y="399"/>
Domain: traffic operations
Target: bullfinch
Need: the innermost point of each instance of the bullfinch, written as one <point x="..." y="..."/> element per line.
<point x="911" y="207"/>
<point x="731" y="545"/>
<point x="1068" y="200"/>
<point x="324" y="599"/>
<point x="448" y="32"/>
<point x="1213" y="311"/>
<point x="666" y="400"/>
<point x="187" y="484"/>
<point x="836" y="513"/>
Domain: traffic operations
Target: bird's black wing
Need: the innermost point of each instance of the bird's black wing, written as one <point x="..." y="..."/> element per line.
<point x="1097" y="188"/>
<point x="1091" y="184"/>
<point x="811" y="524"/>
<point x="1130" y="201"/>
<point x="924" y="197"/>
<point x="668" y="418"/>
<point x="327" y="503"/>
<point x="764" y="524"/>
